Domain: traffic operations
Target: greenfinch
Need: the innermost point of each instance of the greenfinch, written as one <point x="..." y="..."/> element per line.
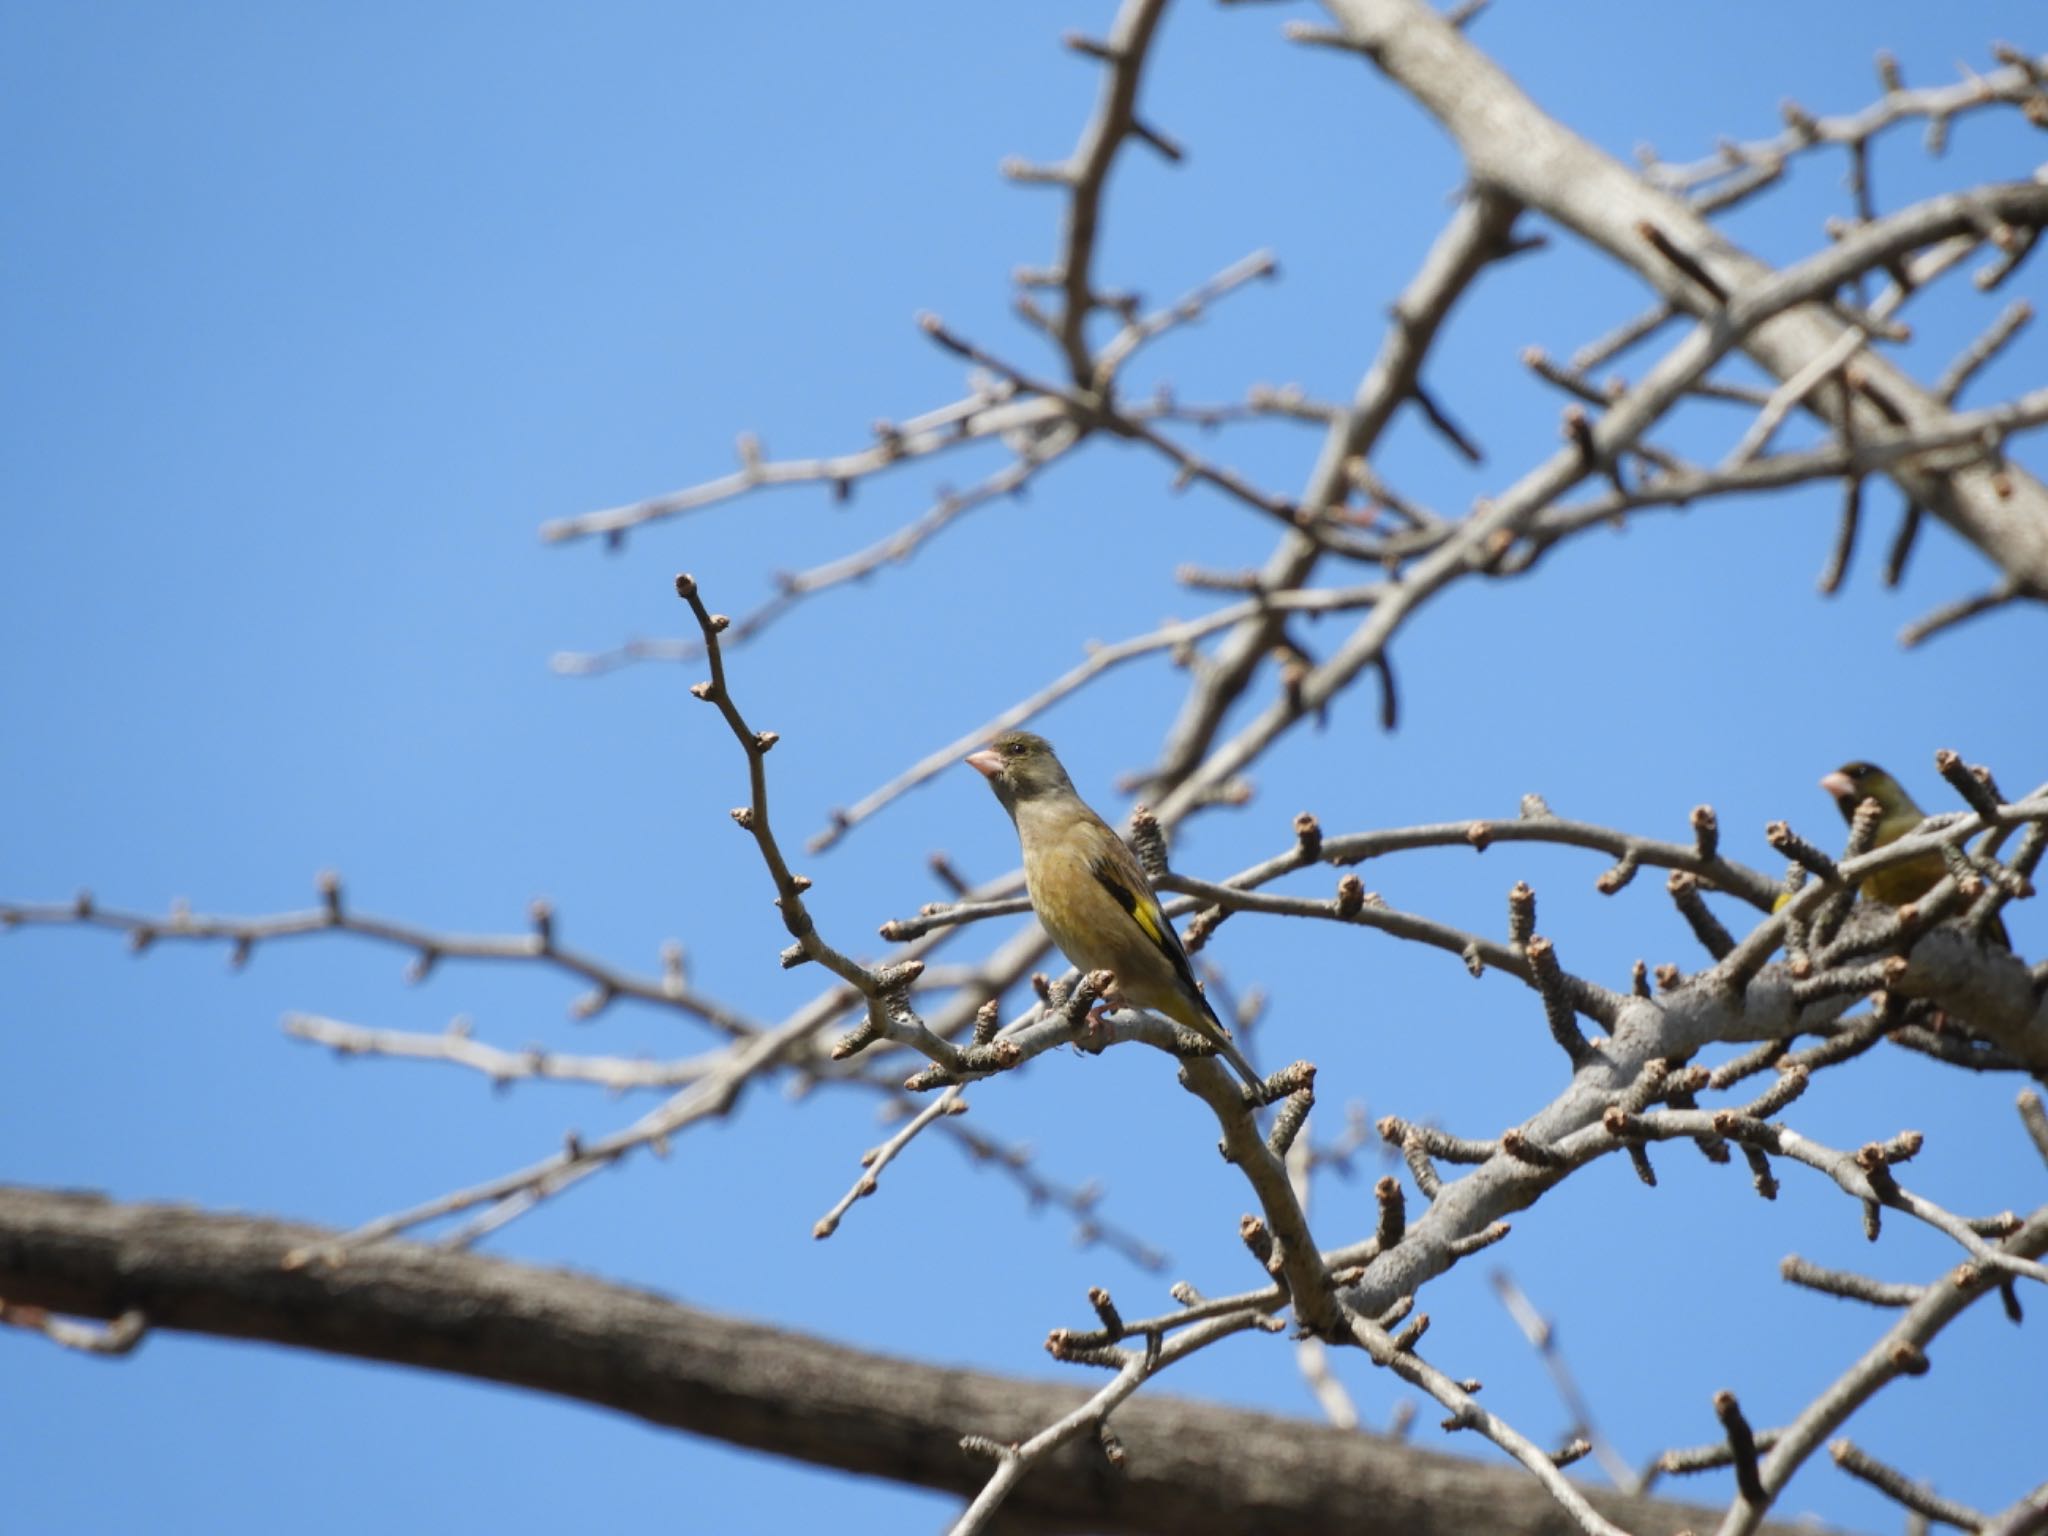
<point x="1851" y="785"/>
<point x="1091" y="894"/>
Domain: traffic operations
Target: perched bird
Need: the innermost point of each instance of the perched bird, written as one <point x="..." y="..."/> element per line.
<point x="1851" y="785"/>
<point x="1091" y="894"/>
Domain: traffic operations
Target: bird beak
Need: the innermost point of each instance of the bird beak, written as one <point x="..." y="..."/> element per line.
<point x="987" y="762"/>
<point x="1836" y="784"/>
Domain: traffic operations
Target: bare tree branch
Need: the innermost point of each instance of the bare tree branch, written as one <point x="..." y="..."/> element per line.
<point x="1901" y="1351"/>
<point x="540" y="947"/>
<point x="1512" y="145"/>
<point x="1815" y="975"/>
<point x="1188" y="1467"/>
<point x="2012" y="85"/>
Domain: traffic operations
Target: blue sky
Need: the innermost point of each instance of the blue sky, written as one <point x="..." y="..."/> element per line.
<point x="311" y="315"/>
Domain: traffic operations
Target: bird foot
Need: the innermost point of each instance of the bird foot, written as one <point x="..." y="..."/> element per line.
<point x="1095" y="1034"/>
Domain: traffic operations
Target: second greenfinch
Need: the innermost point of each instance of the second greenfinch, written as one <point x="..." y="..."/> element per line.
<point x="1091" y="894"/>
<point x="1851" y="785"/>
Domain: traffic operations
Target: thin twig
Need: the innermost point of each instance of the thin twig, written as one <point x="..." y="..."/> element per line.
<point x="877" y="1158"/>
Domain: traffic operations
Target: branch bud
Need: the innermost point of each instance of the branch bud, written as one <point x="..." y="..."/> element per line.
<point x="1350" y="896"/>
<point x="1706" y="831"/>
<point x="1521" y="912"/>
<point x="1393" y="1208"/>
<point x="1308" y="837"/>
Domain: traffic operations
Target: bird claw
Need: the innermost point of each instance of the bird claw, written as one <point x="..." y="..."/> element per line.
<point x="1095" y="1033"/>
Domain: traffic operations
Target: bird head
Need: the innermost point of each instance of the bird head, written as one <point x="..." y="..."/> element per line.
<point x="1853" y="783"/>
<point x="1019" y="767"/>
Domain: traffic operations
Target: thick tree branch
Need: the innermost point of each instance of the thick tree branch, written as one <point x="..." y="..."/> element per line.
<point x="1189" y="1468"/>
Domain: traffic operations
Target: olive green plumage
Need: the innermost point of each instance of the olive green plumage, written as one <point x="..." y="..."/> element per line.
<point x="1851" y="785"/>
<point x="1090" y="892"/>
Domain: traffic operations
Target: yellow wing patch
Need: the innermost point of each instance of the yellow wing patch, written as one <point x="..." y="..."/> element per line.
<point x="1149" y="918"/>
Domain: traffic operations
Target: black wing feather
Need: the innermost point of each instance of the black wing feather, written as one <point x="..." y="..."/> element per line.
<point x="1167" y="940"/>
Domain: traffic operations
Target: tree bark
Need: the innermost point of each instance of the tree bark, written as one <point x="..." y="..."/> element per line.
<point x="1190" y="1468"/>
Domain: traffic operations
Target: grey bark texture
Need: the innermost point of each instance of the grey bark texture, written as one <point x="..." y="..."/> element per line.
<point x="1190" y="1468"/>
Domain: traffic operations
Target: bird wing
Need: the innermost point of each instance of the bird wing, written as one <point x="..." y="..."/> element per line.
<point x="1125" y="881"/>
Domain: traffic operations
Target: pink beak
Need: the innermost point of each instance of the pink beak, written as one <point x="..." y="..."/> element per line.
<point x="1838" y="785"/>
<point x="987" y="762"/>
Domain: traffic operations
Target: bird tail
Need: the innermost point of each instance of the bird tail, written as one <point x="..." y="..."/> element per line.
<point x="1196" y="1013"/>
<point x="1244" y="1069"/>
